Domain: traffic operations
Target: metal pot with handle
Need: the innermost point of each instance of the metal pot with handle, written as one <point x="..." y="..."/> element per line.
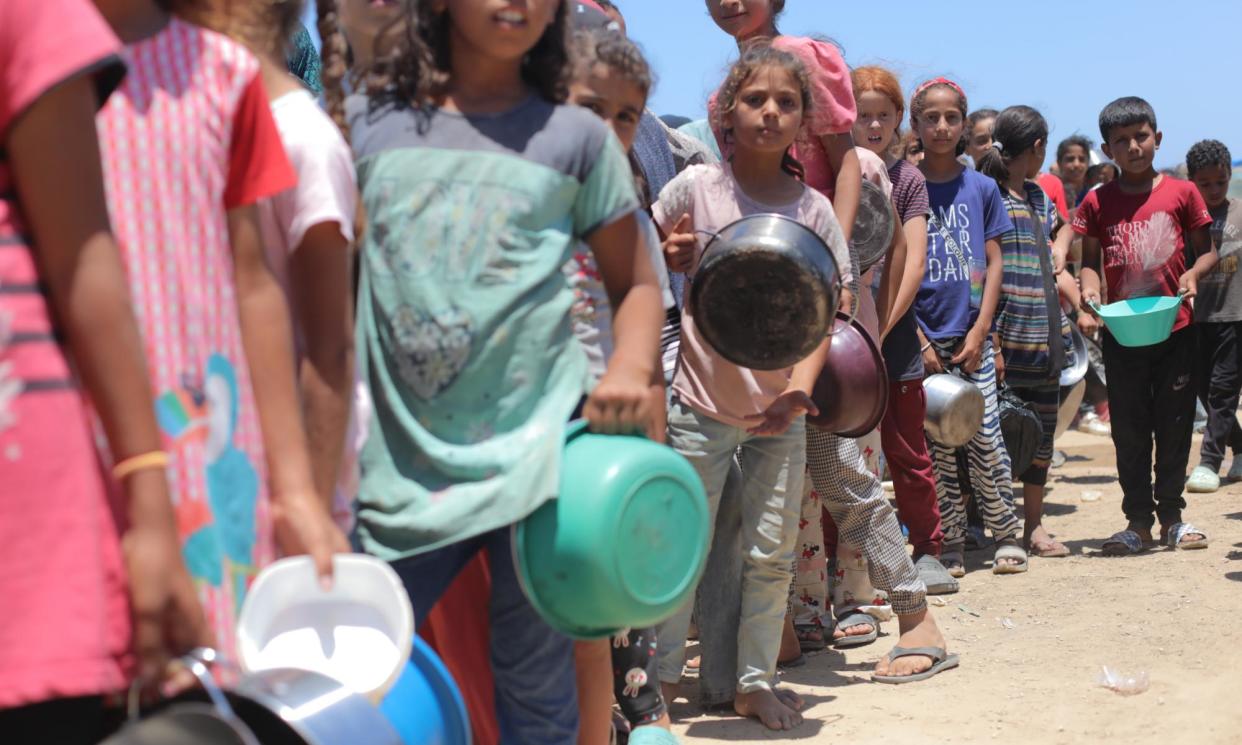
<point x="874" y="226"/>
<point x="765" y="292"/>
<point x="954" y="409"/>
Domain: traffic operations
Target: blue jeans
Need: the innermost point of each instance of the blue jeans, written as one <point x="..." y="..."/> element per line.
<point x="533" y="665"/>
<point x="771" y="506"/>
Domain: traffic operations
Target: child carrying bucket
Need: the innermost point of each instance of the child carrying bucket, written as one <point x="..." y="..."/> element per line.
<point x="1139" y="231"/>
<point x="719" y="409"/>
<point x="612" y="79"/>
<point x="478" y="183"/>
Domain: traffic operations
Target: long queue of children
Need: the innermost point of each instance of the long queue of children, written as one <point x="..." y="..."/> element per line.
<point x="198" y="373"/>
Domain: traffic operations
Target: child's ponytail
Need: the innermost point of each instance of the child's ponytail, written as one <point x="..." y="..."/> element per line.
<point x="334" y="56"/>
<point x="1018" y="129"/>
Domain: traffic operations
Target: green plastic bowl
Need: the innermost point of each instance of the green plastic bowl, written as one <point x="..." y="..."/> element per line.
<point x="625" y="543"/>
<point x="1141" y="321"/>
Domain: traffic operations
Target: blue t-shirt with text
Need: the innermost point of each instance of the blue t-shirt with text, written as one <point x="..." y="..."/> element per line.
<point x="970" y="210"/>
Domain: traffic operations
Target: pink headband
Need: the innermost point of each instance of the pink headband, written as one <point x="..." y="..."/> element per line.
<point x="941" y="81"/>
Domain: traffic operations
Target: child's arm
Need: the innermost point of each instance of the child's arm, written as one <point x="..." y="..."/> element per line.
<point x="890" y="282"/>
<point x="1200" y="241"/>
<point x="913" y="268"/>
<point x="796" y="400"/>
<point x="55" y="158"/>
<point x="303" y="524"/>
<point x="844" y="161"/>
<point x="970" y="354"/>
<point x="622" y="401"/>
<point x="1061" y="248"/>
<point x="319" y="274"/>
<point x="1089" y="282"/>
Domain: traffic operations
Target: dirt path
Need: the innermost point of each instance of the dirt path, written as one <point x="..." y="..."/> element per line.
<point x="1174" y="615"/>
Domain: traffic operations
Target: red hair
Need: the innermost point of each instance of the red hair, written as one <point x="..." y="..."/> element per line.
<point x="881" y="81"/>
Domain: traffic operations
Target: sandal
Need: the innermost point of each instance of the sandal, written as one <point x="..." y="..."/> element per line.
<point x="941" y="661"/>
<point x="857" y="618"/>
<point x="1009" y="550"/>
<point x="1123" y="543"/>
<point x="1175" y="537"/>
<point x="939" y="581"/>
<point x="810" y="637"/>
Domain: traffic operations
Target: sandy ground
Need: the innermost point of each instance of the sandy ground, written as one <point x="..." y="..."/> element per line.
<point x="1032" y="645"/>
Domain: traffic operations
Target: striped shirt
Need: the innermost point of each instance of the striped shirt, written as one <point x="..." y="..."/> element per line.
<point x="1022" y="314"/>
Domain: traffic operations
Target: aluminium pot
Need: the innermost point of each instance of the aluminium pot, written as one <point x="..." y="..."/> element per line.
<point x="954" y="409"/>
<point x="874" y="226"/>
<point x="765" y="292"/>
<point x="1077" y="370"/>
<point x="851" y="391"/>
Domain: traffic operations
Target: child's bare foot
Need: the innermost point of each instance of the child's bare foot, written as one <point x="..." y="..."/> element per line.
<point x="918" y="630"/>
<point x="768" y="707"/>
<point x="1040" y="543"/>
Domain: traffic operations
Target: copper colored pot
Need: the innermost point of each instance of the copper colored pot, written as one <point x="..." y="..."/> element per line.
<point x="852" y="389"/>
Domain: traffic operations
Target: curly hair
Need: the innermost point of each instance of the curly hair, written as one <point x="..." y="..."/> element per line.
<point x="335" y="61"/>
<point x="614" y="51"/>
<point x="754" y="59"/>
<point x="1208" y="154"/>
<point x="417" y="71"/>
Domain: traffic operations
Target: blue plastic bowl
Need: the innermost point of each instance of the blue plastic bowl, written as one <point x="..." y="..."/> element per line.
<point x="1141" y="321"/>
<point x="425" y="706"/>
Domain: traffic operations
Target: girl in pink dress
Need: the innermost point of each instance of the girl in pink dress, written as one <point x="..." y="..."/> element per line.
<point x="189" y="149"/>
<point x="73" y="628"/>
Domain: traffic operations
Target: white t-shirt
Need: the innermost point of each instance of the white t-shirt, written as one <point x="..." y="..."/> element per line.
<point x="592" y="313"/>
<point x="327" y="191"/>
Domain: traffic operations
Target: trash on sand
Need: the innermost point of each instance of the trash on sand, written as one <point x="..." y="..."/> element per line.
<point x="1091" y="495"/>
<point x="964" y="609"/>
<point x="938" y="602"/>
<point x="1007" y="623"/>
<point x="1124" y="683"/>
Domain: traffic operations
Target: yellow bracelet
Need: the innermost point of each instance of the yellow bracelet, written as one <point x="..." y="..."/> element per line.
<point x="144" y="462"/>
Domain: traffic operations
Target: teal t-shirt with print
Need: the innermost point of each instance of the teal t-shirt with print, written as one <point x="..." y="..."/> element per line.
<point x="464" y="333"/>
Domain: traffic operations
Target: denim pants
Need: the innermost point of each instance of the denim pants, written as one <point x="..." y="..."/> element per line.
<point x="771" y="502"/>
<point x="533" y="665"/>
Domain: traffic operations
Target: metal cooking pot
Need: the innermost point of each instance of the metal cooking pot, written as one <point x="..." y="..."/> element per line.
<point x="299" y="707"/>
<point x="1078" y="369"/>
<point x="852" y="389"/>
<point x="954" y="409"/>
<point x="765" y="292"/>
<point x="1071" y="399"/>
<point x="873" y="226"/>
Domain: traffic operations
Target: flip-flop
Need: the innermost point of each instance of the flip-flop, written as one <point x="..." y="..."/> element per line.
<point x="1173" y="539"/>
<point x="1009" y="551"/>
<point x="954" y="562"/>
<point x="857" y="618"/>
<point x="938" y="579"/>
<point x="1123" y="543"/>
<point x="941" y="661"/>
<point x="811" y="636"/>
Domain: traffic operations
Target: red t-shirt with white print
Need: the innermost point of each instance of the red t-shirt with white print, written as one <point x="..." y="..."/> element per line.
<point x="1143" y="237"/>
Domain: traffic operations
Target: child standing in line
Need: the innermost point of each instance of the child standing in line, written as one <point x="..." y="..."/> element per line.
<point x="979" y="126"/>
<point x="717" y="407"/>
<point x="1032" y="331"/>
<point x="825" y="149"/>
<point x="881" y="108"/>
<point x="191" y="124"/>
<point x="95" y="591"/>
<point x="308" y="234"/>
<point x="1218" y="319"/>
<point x="955" y="307"/>
<point x="612" y="79"/>
<point x="1139" y="231"/>
<point x="478" y="183"/>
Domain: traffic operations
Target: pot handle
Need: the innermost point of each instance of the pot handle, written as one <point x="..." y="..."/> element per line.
<point x="853" y="313"/>
<point x="196" y="662"/>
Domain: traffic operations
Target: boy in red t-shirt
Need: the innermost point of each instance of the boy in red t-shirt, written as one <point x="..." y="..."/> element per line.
<point x="1146" y="228"/>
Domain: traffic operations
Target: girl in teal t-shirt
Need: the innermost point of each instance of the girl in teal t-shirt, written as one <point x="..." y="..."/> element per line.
<point x="478" y="183"/>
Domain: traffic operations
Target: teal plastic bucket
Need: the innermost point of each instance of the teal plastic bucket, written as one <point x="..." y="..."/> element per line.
<point x="1141" y="321"/>
<point x="425" y="705"/>
<point x="625" y="543"/>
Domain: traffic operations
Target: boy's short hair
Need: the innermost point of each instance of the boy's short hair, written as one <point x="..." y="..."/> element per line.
<point x="1208" y="154"/>
<point x="1126" y="112"/>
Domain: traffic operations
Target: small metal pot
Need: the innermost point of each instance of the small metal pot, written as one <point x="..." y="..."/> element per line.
<point x="954" y="409"/>
<point x="1071" y="399"/>
<point x="299" y="707"/>
<point x="873" y="226"/>
<point x="765" y="292"/>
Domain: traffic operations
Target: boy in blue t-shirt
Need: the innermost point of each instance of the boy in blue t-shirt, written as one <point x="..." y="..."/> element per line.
<point x="1143" y="229"/>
